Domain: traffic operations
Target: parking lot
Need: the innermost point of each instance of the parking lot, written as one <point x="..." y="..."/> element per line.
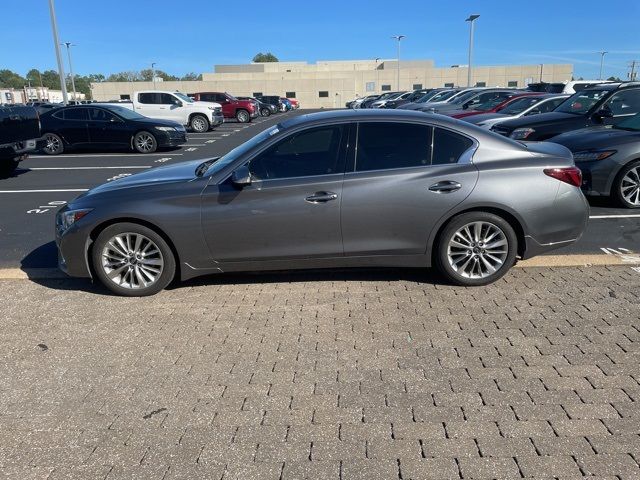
<point x="330" y="375"/>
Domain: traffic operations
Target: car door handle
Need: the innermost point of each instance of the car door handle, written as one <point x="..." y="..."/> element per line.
<point x="321" y="197"/>
<point x="446" y="186"/>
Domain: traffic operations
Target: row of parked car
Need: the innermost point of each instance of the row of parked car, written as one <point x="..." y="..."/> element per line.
<point x="147" y="121"/>
<point x="599" y="123"/>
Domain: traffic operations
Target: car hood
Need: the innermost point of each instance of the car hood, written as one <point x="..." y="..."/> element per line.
<point x="157" y="122"/>
<point x="481" y="117"/>
<point x="205" y="104"/>
<point x="180" y="172"/>
<point x="595" y="138"/>
<point x="541" y="119"/>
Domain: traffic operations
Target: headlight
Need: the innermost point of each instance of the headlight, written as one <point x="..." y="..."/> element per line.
<point x="521" y="133"/>
<point x="211" y="108"/>
<point x="166" y="129"/>
<point x="65" y="219"/>
<point x="591" y="156"/>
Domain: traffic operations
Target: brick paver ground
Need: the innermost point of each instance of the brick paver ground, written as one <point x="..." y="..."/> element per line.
<point x="347" y="375"/>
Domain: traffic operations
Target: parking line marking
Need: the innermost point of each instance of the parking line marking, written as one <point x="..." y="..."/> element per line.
<point x="209" y="141"/>
<point x="195" y="145"/>
<point x="47" y="191"/>
<point x="192" y="149"/>
<point x="614" y="216"/>
<point x="100" y="155"/>
<point x="89" y="168"/>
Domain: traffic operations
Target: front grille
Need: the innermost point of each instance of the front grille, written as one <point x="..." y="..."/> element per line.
<point x="501" y="130"/>
<point x="217" y="111"/>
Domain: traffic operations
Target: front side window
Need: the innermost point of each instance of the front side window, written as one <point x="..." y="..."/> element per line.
<point x="520" y="105"/>
<point x="386" y="145"/>
<point x="448" y="146"/>
<point x="581" y="102"/>
<point x="624" y="103"/>
<point x="166" y="99"/>
<point x="308" y="153"/>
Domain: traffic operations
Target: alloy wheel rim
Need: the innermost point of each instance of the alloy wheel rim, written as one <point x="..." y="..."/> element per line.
<point x="198" y="124"/>
<point x="477" y="250"/>
<point x="242" y="117"/>
<point x="630" y="186"/>
<point x="132" y="261"/>
<point x="53" y="144"/>
<point x="144" y="142"/>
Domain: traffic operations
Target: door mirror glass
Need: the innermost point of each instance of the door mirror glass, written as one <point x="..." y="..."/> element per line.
<point x="604" y="113"/>
<point x="241" y="177"/>
<point x="177" y="103"/>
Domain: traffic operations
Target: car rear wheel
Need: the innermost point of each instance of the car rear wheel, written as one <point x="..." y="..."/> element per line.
<point x="54" y="145"/>
<point x="145" y="142"/>
<point x="627" y="186"/>
<point x="265" y="112"/>
<point x="476" y="248"/>
<point x="199" y="124"/>
<point x="243" y="116"/>
<point x="132" y="260"/>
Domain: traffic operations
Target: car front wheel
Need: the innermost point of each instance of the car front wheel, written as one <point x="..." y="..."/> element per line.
<point x="132" y="260"/>
<point x="145" y="142"/>
<point x="265" y="112"/>
<point x="627" y="186"/>
<point x="476" y="248"/>
<point x="199" y="124"/>
<point x="243" y="116"/>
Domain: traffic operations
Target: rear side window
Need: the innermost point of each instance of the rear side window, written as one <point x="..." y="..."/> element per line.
<point x="448" y="146"/>
<point x="386" y="145"/>
<point x="75" y="114"/>
<point x="149" y="98"/>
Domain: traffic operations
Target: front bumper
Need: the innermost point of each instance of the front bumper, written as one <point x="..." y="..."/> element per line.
<point x="217" y="120"/>
<point x="598" y="176"/>
<point x="73" y="246"/>
<point x="172" y="139"/>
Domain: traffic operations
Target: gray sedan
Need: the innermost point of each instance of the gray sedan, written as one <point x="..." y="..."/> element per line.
<point x="333" y="189"/>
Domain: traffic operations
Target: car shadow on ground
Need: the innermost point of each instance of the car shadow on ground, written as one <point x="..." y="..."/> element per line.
<point x="16" y="173"/>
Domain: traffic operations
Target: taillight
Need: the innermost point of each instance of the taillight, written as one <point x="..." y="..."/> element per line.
<point x="570" y="175"/>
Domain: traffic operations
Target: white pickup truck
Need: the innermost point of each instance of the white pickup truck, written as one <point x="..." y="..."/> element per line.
<point x="176" y="106"/>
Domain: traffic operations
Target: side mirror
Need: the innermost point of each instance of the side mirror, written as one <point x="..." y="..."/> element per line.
<point x="604" y="113"/>
<point x="241" y="177"/>
<point x="177" y="103"/>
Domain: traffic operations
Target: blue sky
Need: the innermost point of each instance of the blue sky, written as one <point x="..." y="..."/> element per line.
<point x="193" y="35"/>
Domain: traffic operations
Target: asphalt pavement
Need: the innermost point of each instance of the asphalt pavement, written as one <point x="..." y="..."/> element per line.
<point x="30" y="198"/>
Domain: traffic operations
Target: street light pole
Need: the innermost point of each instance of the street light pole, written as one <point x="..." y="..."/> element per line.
<point x="398" y="38"/>
<point x="153" y="75"/>
<point x="56" y="44"/>
<point x="602" y="54"/>
<point x="472" y="21"/>
<point x="73" y="82"/>
<point x="377" y="75"/>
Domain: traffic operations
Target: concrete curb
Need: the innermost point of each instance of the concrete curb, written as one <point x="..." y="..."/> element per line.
<point x="545" y="261"/>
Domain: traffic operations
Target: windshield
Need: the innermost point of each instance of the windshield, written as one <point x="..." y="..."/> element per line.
<point x="632" y="123"/>
<point x="581" y="102"/>
<point x="183" y="97"/>
<point x="242" y="149"/>
<point x="463" y="97"/>
<point x="440" y="96"/>
<point x="518" y="106"/>
<point x="231" y="97"/>
<point x="124" y="112"/>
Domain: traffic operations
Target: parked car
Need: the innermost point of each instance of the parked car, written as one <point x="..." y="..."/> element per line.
<point x="43" y="107"/>
<point x="520" y="107"/>
<point x="176" y="106"/>
<point x="380" y="103"/>
<point x="19" y="136"/>
<point x="469" y="101"/>
<point x="107" y="127"/>
<point x="295" y="104"/>
<point x="409" y="97"/>
<point x="286" y="104"/>
<point x="242" y="110"/>
<point x="602" y="105"/>
<point x="454" y="195"/>
<point x="609" y="158"/>
<point x="265" y="109"/>
<point x="436" y="95"/>
<point x="271" y="100"/>
<point x="493" y="105"/>
<point x="565" y="87"/>
<point x="359" y="101"/>
<point x="384" y="96"/>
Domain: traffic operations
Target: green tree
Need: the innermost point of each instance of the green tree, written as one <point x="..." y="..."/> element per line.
<point x="265" y="57"/>
<point x="51" y="79"/>
<point x="191" y="76"/>
<point x="130" y="76"/>
<point x="614" y="79"/>
<point x="11" y="79"/>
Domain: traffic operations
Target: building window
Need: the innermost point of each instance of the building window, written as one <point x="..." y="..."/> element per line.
<point x="371" y="86"/>
<point x="386" y="88"/>
<point x="481" y="84"/>
<point x="417" y="86"/>
<point x="512" y="83"/>
<point x="323" y="94"/>
<point x="125" y="97"/>
<point x="256" y="94"/>
<point x="290" y="94"/>
<point x="448" y="85"/>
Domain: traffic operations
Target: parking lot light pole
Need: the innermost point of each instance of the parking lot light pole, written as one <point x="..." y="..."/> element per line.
<point x="153" y="74"/>
<point x="73" y="82"/>
<point x="56" y="44"/>
<point x="602" y="54"/>
<point x="399" y="38"/>
<point x="472" y="21"/>
<point x="377" y="75"/>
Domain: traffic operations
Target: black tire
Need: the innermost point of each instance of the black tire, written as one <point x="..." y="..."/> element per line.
<point x="119" y="284"/>
<point x="199" y="124"/>
<point x="476" y="250"/>
<point x="8" y="166"/>
<point x="265" y="112"/>
<point x="144" y="142"/>
<point x="54" y="145"/>
<point x="242" y="116"/>
<point x="616" y="187"/>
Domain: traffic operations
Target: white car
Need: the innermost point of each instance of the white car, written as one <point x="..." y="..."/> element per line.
<point x="395" y="96"/>
<point x="176" y="106"/>
<point x="518" y="108"/>
<point x="570" y="87"/>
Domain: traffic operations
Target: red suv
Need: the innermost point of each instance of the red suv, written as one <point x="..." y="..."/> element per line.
<point x="492" y="106"/>
<point x="242" y="110"/>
